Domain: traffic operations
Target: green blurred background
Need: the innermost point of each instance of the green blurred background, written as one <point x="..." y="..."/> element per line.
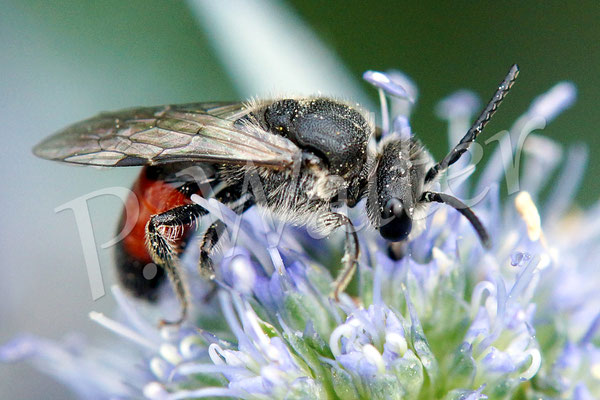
<point x="64" y="61"/>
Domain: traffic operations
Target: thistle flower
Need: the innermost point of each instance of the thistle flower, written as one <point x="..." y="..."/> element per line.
<point x="449" y="320"/>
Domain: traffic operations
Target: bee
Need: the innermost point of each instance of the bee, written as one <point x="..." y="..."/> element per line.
<point x="306" y="154"/>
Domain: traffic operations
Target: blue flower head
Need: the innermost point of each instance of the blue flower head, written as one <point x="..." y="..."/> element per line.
<point x="449" y="320"/>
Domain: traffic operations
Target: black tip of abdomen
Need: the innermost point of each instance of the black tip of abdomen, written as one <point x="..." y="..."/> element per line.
<point x="140" y="278"/>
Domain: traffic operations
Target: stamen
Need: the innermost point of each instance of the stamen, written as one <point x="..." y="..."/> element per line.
<point x="385" y="116"/>
<point x="121" y="329"/>
<point x="374" y="357"/>
<point x="560" y="97"/>
<point x="534" y="366"/>
<point x="529" y="213"/>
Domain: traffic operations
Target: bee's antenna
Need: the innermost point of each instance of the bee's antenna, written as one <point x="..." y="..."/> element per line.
<point x="477" y="127"/>
<point x="464" y="210"/>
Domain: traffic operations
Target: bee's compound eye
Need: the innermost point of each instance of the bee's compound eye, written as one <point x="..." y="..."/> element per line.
<point x="396" y="224"/>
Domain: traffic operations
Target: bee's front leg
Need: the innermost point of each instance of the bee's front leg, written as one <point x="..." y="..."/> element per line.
<point x="397" y="250"/>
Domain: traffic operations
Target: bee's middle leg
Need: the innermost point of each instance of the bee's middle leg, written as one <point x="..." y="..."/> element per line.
<point x="331" y="222"/>
<point x="207" y="244"/>
<point x="211" y="237"/>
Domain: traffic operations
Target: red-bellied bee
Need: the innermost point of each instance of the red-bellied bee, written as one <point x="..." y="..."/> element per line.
<point x="306" y="153"/>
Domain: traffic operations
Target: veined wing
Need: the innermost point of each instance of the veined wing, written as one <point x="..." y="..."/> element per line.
<point x="203" y="132"/>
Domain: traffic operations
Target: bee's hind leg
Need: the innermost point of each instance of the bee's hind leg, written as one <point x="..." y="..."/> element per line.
<point x="163" y="232"/>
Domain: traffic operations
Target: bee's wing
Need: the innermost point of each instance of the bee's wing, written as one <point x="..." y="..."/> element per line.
<point x="203" y="132"/>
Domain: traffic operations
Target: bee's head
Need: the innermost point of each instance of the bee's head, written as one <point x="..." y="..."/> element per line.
<point x="396" y="187"/>
<point x="395" y="219"/>
<point x="404" y="172"/>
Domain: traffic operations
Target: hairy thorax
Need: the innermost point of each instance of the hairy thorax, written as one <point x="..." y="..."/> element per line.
<point x="297" y="196"/>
